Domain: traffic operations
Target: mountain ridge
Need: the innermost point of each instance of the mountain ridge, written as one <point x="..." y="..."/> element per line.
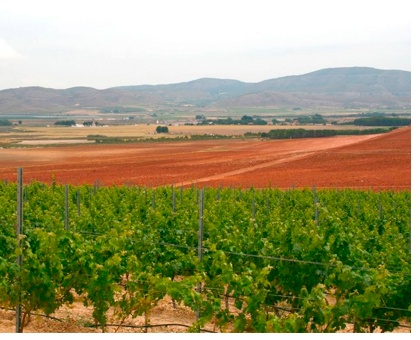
<point x="342" y="87"/>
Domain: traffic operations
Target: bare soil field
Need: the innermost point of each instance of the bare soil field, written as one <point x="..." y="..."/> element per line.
<point x="365" y="162"/>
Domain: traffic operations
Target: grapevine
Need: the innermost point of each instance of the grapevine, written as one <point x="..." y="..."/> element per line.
<point x="290" y="261"/>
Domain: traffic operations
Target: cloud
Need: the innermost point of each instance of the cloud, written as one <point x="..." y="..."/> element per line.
<point x="7" y="52"/>
<point x="104" y="43"/>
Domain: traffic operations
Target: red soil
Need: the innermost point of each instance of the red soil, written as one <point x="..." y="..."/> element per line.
<point x="374" y="161"/>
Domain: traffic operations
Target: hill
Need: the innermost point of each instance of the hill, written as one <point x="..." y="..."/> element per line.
<point x="349" y="87"/>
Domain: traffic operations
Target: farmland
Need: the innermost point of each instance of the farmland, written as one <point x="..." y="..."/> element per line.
<point x="34" y="134"/>
<point x="371" y="161"/>
<point x="246" y="260"/>
<point x="309" y="235"/>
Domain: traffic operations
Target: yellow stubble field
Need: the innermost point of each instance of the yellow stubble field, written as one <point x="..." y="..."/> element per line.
<point x="36" y="135"/>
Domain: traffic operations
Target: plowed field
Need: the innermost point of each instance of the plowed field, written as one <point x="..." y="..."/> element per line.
<point x="372" y="161"/>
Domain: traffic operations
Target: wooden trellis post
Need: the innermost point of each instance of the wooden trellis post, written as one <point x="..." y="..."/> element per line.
<point x="19" y="232"/>
<point x="200" y="238"/>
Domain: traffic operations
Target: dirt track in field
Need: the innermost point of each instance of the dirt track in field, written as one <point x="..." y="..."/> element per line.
<point x="373" y="161"/>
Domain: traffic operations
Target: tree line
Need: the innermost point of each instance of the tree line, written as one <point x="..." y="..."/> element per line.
<point x="382" y="121"/>
<point x="302" y="133"/>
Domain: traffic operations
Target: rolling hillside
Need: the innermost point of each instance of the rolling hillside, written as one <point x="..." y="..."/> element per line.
<point x="350" y="87"/>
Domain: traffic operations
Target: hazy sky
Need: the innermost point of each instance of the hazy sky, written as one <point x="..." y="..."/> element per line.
<point x="61" y="44"/>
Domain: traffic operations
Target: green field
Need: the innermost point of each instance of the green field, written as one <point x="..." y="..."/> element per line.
<point x="292" y="261"/>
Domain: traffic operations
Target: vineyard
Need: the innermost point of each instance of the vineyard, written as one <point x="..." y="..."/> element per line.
<point x="244" y="260"/>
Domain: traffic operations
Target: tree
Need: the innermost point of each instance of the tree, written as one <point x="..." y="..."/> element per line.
<point x="162" y="129"/>
<point x="65" y="122"/>
<point x="247" y="119"/>
<point x="5" y="122"/>
<point x="260" y="121"/>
